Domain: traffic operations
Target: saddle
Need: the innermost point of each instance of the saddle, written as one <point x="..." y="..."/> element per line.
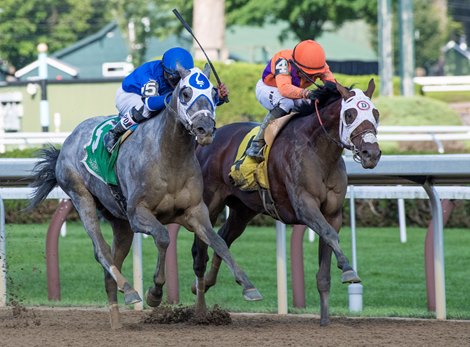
<point x="98" y="161"/>
<point x="249" y="175"/>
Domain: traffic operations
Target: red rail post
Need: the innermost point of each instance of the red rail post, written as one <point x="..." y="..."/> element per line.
<point x="297" y="265"/>
<point x="52" y="249"/>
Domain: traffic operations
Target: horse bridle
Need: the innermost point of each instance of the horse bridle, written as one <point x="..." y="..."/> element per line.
<point x="188" y="124"/>
<point x="340" y="143"/>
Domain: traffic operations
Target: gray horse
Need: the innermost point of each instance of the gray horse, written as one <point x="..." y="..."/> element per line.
<point x="161" y="183"/>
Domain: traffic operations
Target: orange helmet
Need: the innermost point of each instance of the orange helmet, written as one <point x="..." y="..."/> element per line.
<point x="310" y="57"/>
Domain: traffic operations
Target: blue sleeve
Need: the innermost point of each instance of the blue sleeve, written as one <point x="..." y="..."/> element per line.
<point x="157" y="103"/>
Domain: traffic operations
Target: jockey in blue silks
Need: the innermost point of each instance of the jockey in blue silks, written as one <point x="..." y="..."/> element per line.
<point x="143" y="92"/>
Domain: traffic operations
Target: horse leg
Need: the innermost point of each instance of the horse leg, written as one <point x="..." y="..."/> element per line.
<point x="324" y="280"/>
<point x="142" y="220"/>
<point x="86" y="207"/>
<point x="234" y="226"/>
<point x="199" y="252"/>
<point x="316" y="221"/>
<point x="122" y="241"/>
<point x="198" y="221"/>
<point x="324" y="271"/>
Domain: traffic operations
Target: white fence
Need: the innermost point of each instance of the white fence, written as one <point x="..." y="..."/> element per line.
<point x="23" y="140"/>
<point x="443" y="83"/>
<point x="436" y="134"/>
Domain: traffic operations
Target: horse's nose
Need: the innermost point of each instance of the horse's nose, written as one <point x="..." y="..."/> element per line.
<point x="370" y="157"/>
<point x="201" y="131"/>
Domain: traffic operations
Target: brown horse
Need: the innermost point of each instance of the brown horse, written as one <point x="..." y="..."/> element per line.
<point x="307" y="175"/>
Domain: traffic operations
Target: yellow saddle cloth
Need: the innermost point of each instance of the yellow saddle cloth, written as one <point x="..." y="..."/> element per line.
<point x="246" y="173"/>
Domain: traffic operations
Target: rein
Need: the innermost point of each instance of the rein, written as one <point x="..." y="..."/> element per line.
<point x="339" y="143"/>
<point x="187" y="126"/>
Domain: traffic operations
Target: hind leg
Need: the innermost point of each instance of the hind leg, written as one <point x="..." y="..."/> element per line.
<point x="142" y="220"/>
<point x="198" y="221"/>
<point x="86" y="207"/>
<point x="122" y="241"/>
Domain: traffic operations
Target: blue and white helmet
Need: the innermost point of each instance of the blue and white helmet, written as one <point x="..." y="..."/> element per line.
<point x="173" y="57"/>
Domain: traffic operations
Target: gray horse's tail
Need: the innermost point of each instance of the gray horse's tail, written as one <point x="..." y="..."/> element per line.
<point x="44" y="178"/>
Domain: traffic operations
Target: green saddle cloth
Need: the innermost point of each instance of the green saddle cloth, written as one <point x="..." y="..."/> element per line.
<point x="97" y="159"/>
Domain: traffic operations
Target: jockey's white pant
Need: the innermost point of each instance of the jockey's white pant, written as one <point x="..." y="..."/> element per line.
<point x="270" y="97"/>
<point x="126" y="101"/>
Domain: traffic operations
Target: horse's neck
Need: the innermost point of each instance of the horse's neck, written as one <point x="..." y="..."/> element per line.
<point x="327" y="142"/>
<point x="171" y="139"/>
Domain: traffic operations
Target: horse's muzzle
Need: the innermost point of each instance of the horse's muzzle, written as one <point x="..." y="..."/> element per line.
<point x="370" y="156"/>
<point x="203" y="128"/>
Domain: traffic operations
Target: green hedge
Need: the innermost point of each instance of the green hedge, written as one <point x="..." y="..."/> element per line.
<point x="241" y="80"/>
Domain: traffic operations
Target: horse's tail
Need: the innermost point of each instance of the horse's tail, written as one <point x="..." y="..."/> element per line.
<point x="44" y="177"/>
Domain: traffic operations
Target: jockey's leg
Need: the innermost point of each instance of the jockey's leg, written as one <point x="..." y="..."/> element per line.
<point x="255" y="150"/>
<point x="129" y="119"/>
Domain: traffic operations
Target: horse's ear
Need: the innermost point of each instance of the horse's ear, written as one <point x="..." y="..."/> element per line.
<point x="345" y="92"/>
<point x="207" y="70"/>
<point x="370" y="88"/>
<point x="182" y="71"/>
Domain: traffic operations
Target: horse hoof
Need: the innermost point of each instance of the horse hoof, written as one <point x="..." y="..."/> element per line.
<point x="152" y="300"/>
<point x="324" y="322"/>
<point x="350" y="276"/>
<point x="132" y="297"/>
<point x="252" y="294"/>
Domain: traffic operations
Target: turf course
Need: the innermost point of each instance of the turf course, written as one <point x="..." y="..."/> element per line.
<point x="392" y="273"/>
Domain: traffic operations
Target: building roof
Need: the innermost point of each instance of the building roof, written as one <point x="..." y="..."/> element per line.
<point x="459" y="48"/>
<point x="51" y="62"/>
<point x="351" y="42"/>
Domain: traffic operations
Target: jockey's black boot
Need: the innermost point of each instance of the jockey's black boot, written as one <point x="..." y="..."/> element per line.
<point x="112" y="137"/>
<point x="126" y="121"/>
<point x="256" y="149"/>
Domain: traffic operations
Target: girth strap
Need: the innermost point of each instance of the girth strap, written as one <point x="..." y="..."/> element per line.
<point x="268" y="203"/>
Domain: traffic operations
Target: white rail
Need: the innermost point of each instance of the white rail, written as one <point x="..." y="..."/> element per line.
<point x="443" y="83"/>
<point x="385" y="133"/>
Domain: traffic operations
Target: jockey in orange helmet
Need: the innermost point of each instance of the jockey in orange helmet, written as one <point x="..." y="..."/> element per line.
<point x="284" y="83"/>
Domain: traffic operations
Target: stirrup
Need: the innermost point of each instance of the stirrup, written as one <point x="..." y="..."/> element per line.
<point x="110" y="141"/>
<point x="256" y="151"/>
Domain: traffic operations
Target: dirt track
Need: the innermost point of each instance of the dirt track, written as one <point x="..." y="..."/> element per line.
<point x="79" y="327"/>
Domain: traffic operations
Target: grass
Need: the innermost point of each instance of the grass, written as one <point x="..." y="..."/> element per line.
<point x="392" y="273"/>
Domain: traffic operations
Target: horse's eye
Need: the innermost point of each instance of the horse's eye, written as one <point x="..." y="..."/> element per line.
<point x="376" y="114"/>
<point x="350" y="115"/>
<point x="186" y="94"/>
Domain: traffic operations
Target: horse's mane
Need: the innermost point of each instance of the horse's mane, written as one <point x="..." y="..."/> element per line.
<point x="326" y="94"/>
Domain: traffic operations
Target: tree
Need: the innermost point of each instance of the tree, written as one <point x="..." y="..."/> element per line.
<point x="140" y="20"/>
<point x="59" y="23"/>
<point x="307" y="19"/>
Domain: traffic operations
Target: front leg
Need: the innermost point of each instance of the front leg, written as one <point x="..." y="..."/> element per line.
<point x="309" y="212"/>
<point x="197" y="220"/>
<point x="142" y="220"/>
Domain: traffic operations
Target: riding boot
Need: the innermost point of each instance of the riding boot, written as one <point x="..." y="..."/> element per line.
<point x="256" y="149"/>
<point x="112" y="136"/>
